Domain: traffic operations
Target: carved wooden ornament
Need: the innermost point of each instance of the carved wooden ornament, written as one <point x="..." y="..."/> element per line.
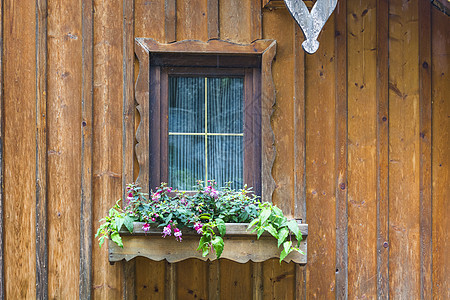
<point x="312" y="22"/>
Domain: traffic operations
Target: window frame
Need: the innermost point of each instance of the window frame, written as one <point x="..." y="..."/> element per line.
<point x="217" y="58"/>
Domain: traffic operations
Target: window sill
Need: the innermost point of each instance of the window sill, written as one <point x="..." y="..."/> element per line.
<point x="240" y="246"/>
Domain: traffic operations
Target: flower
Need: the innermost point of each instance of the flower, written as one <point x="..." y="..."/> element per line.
<point x="153" y="219"/>
<point x="198" y="227"/>
<point x="211" y="191"/>
<point x="167" y="231"/>
<point x="156" y="196"/>
<point x="146" y="227"/>
<point x="177" y="233"/>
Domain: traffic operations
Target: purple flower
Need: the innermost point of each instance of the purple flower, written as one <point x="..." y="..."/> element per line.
<point x="156" y="197"/>
<point x="177" y="233"/>
<point x="146" y="227"/>
<point x="211" y="191"/>
<point x="198" y="227"/>
<point x="167" y="231"/>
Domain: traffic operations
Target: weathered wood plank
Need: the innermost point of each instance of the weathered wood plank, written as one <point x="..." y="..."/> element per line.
<point x="107" y="146"/>
<point x="404" y="150"/>
<point x="150" y="284"/>
<point x="362" y="148"/>
<point x="86" y="222"/>
<point x="278" y="280"/>
<point x="320" y="166"/>
<point x="425" y="149"/>
<point x="235" y="280"/>
<point x="64" y="147"/>
<point x="255" y="20"/>
<point x="257" y="281"/>
<point x="171" y="281"/>
<point x="235" y="21"/>
<point x="382" y="149"/>
<point x="342" y="150"/>
<point x="149" y="15"/>
<point x="214" y="280"/>
<point x="192" y="20"/>
<point x="280" y="25"/>
<point x="213" y="19"/>
<point x="19" y="152"/>
<point x="192" y="279"/>
<point x="2" y="162"/>
<point x="299" y="126"/>
<point x="440" y="153"/>
<point x="41" y="151"/>
<point x="128" y="124"/>
<point x="170" y="20"/>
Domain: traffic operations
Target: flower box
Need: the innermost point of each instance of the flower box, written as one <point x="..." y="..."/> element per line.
<point x="240" y="245"/>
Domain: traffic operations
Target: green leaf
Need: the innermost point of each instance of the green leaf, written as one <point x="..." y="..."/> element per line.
<point x="252" y="223"/>
<point x="129" y="223"/>
<point x="119" y="222"/>
<point x="221" y="226"/>
<point x="287" y="246"/>
<point x="217" y="243"/>
<point x="278" y="211"/>
<point x="293" y="226"/>
<point x="201" y="243"/>
<point x="101" y="241"/>
<point x="115" y="237"/>
<point x="265" y="214"/>
<point x="282" y="235"/>
<point x="283" y="255"/>
<point x="260" y="231"/>
<point x="269" y="228"/>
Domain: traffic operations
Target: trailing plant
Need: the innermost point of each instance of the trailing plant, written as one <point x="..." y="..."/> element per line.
<point x="206" y="211"/>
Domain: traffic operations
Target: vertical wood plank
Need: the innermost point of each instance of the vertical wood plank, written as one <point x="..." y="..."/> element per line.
<point x="213" y="19"/>
<point x="193" y="278"/>
<point x="425" y="149"/>
<point x="255" y="20"/>
<point x="342" y="214"/>
<point x="278" y="280"/>
<point x="214" y="280"/>
<point x="192" y="20"/>
<point x="258" y="283"/>
<point x="235" y="280"/>
<point x="235" y="21"/>
<point x="170" y="23"/>
<point x="128" y="123"/>
<point x="2" y="162"/>
<point x="404" y="150"/>
<point x="41" y="151"/>
<point x="440" y="153"/>
<point x="299" y="126"/>
<point x="171" y="281"/>
<point x="107" y="146"/>
<point x="320" y="166"/>
<point x="19" y="153"/>
<point x="362" y="147"/>
<point x="382" y="149"/>
<point x="64" y="147"/>
<point x="86" y="222"/>
<point x="149" y="15"/>
<point x="279" y="25"/>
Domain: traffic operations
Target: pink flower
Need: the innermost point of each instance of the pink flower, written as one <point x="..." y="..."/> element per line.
<point x="198" y="227"/>
<point x="169" y="190"/>
<point x="167" y="231"/>
<point x="177" y="233"/>
<point x="153" y="219"/>
<point x="146" y="227"/>
<point x="211" y="191"/>
<point x="156" y="197"/>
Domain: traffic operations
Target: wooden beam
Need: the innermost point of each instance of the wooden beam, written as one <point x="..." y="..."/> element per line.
<point x="2" y="163"/>
<point x="170" y="24"/>
<point x="213" y="19"/>
<point x="128" y="268"/>
<point x="280" y="4"/>
<point x="41" y="151"/>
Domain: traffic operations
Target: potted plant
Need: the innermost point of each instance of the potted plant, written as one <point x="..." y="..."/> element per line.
<point x="208" y="214"/>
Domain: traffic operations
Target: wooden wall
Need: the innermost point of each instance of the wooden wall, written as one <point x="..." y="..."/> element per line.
<point x="362" y="133"/>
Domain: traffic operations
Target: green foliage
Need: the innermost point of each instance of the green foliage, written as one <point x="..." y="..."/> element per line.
<point x="206" y="211"/>
<point x="272" y="220"/>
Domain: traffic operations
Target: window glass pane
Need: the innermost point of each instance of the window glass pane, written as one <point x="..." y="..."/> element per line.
<point x="225" y="105"/>
<point x="186" y="104"/>
<point x="226" y="160"/>
<point x="186" y="160"/>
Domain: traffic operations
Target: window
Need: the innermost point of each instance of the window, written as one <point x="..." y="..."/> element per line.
<point x="203" y="108"/>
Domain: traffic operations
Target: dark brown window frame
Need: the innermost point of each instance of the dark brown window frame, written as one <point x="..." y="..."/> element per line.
<point x="253" y="61"/>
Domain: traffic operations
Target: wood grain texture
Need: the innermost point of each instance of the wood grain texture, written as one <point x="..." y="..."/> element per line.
<point x="214" y="280"/>
<point x="41" y="151"/>
<point x="170" y="20"/>
<point x="255" y="20"/>
<point x="235" y="280"/>
<point x="404" y="150"/>
<point x="64" y="147"/>
<point x="150" y="283"/>
<point x="108" y="126"/>
<point x="343" y="98"/>
<point x="279" y="25"/>
<point x="2" y="162"/>
<point x="128" y="123"/>
<point x="19" y="152"/>
<point x="236" y="21"/>
<point x="278" y="280"/>
<point x="299" y="127"/>
<point x="171" y="281"/>
<point x="87" y="106"/>
<point x="192" y="280"/>
<point x="362" y="148"/>
<point x="382" y="149"/>
<point x="320" y="166"/>
<point x="192" y="20"/>
<point x="149" y="17"/>
<point x="213" y="19"/>
<point x="440" y="57"/>
<point x="425" y="149"/>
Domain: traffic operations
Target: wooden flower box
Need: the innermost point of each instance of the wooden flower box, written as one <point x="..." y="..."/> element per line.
<point x="240" y="246"/>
